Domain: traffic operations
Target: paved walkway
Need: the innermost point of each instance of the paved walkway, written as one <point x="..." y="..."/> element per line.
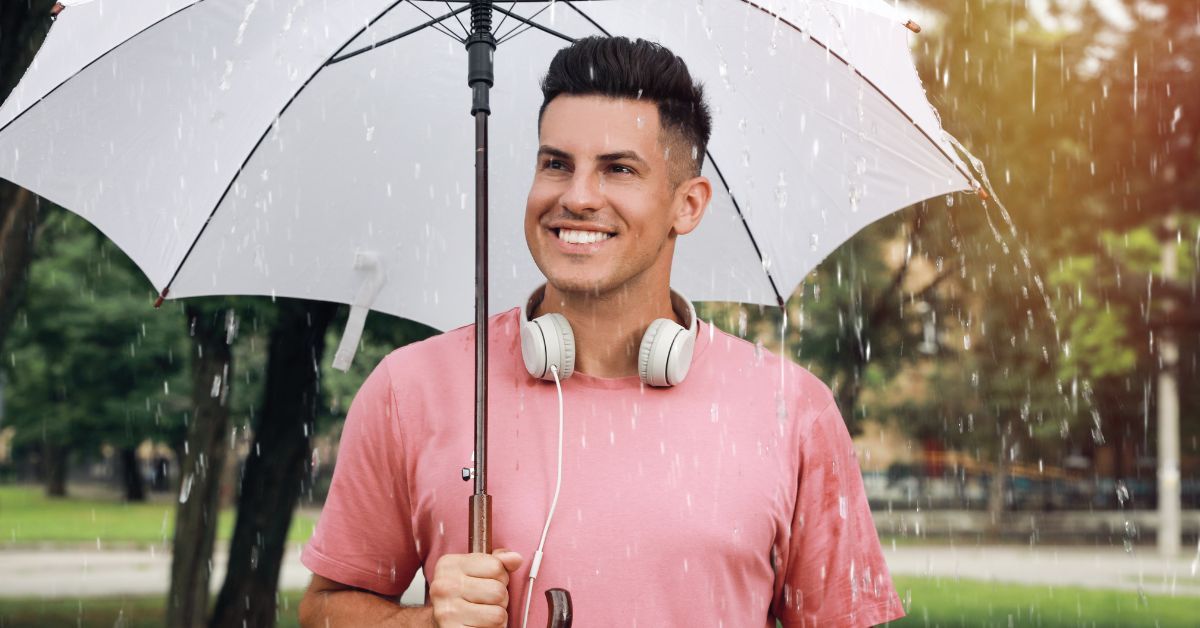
<point x="92" y="572"/>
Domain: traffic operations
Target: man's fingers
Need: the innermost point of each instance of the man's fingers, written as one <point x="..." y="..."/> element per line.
<point x="511" y="560"/>
<point x="484" y="616"/>
<point x="485" y="591"/>
<point x="483" y="566"/>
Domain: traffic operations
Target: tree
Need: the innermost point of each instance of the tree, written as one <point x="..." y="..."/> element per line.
<point x="90" y="361"/>
<point x="277" y="465"/>
<point x="212" y="324"/>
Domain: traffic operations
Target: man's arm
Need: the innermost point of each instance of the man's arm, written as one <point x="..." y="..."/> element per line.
<point x="467" y="590"/>
<point x="331" y="604"/>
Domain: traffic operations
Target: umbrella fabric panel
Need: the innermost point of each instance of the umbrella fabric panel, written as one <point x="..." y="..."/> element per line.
<point x="82" y="34"/>
<point x="144" y="141"/>
<point x="365" y="160"/>
<point x="376" y="155"/>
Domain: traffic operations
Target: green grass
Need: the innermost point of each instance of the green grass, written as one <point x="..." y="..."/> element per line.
<point x="126" y="612"/>
<point x="930" y="602"/>
<point x="946" y="602"/>
<point x="28" y="517"/>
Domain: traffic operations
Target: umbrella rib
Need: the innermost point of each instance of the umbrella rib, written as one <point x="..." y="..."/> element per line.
<point x="588" y="18"/>
<point x="93" y="61"/>
<point x="511" y="5"/>
<point x="355" y="53"/>
<point x="528" y="21"/>
<point x="736" y="206"/>
<point x="466" y="31"/>
<point x="262" y="137"/>
<point x="746" y="225"/>
<point x="434" y="22"/>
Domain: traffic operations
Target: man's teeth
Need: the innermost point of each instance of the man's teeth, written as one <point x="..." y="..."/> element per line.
<point x="572" y="236"/>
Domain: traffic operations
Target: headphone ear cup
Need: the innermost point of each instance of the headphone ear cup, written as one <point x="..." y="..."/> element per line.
<point x="666" y="353"/>
<point x="548" y="341"/>
<point x="533" y="349"/>
<point x="566" y="345"/>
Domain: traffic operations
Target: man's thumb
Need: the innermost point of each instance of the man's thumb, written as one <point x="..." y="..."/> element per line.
<point x="510" y="559"/>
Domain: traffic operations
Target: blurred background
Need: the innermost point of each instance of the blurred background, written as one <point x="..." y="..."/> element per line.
<point x="1020" y="373"/>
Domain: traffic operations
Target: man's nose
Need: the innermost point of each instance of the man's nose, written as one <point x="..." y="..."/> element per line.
<point x="585" y="192"/>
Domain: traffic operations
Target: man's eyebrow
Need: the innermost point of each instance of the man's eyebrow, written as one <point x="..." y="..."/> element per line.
<point x="550" y="151"/>
<point x="622" y="155"/>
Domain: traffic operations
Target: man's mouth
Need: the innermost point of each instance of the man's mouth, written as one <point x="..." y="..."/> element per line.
<point x="576" y="236"/>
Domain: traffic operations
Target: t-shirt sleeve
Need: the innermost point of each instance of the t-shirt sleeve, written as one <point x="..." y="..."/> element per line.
<point x="833" y="570"/>
<point x="364" y="535"/>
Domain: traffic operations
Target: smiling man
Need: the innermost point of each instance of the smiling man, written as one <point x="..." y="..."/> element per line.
<point x="702" y="484"/>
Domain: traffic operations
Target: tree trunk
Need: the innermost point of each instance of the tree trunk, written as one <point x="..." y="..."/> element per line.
<point x="131" y="476"/>
<point x="54" y="469"/>
<point x="18" y="221"/>
<point x="275" y="467"/>
<point x="24" y="26"/>
<point x="996" y="492"/>
<point x="200" y="472"/>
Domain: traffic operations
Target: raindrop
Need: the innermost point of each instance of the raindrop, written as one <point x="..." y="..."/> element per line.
<point x="813" y="242"/>
<point x="186" y="489"/>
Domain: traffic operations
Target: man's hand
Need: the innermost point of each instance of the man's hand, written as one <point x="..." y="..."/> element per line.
<point x="472" y="589"/>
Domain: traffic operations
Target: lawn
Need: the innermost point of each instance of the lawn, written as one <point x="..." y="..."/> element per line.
<point x="126" y="612"/>
<point x="947" y="602"/>
<point x="28" y="517"/>
<point x="930" y="602"/>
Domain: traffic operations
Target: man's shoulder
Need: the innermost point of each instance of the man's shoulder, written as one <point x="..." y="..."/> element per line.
<point x="756" y="360"/>
<point x="449" y="349"/>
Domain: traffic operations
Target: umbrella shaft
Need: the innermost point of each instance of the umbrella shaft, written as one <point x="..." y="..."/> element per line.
<point x="481" y="300"/>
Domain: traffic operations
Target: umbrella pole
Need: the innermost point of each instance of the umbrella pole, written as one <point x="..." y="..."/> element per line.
<point x="480" y="46"/>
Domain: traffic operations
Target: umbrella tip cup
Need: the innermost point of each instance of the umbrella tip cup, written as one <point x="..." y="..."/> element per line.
<point x="982" y="193"/>
<point x="159" y="301"/>
<point x="56" y="9"/>
<point x="912" y="26"/>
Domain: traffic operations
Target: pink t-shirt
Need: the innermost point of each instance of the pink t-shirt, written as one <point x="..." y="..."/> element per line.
<point x="731" y="500"/>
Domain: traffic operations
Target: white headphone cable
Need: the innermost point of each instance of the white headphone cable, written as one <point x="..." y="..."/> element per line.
<point x="537" y="556"/>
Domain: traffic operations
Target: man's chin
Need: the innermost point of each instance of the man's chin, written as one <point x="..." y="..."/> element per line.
<point x="580" y="285"/>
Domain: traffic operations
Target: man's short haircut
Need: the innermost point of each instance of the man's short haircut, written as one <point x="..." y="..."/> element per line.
<point x="619" y="68"/>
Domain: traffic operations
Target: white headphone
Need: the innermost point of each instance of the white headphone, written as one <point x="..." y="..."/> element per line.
<point x="663" y="359"/>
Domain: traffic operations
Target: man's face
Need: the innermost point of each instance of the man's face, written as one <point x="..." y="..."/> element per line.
<point x="602" y="210"/>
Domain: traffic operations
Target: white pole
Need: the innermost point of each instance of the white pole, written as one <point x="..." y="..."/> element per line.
<point x="1168" y="411"/>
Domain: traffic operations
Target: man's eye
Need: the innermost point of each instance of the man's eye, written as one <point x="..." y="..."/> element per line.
<point x="553" y="164"/>
<point x="618" y="168"/>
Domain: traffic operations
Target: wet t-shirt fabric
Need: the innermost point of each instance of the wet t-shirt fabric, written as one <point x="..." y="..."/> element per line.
<point x="730" y="500"/>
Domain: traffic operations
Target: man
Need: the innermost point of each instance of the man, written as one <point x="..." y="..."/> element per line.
<point x="732" y="498"/>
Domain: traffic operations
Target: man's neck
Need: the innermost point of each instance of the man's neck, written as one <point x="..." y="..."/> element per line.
<point x="608" y="328"/>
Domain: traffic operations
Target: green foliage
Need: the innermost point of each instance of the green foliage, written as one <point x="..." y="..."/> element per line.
<point x="90" y="360"/>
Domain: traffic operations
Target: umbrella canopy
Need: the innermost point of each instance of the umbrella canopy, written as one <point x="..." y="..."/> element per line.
<point x="324" y="151"/>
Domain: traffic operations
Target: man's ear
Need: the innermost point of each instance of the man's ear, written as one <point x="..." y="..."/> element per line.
<point x="691" y="198"/>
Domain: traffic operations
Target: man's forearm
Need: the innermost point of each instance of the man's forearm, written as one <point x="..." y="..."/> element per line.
<point x="350" y="608"/>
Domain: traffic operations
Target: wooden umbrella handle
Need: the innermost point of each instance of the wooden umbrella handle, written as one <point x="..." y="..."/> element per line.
<point x="480" y="530"/>
<point x="560" y="608"/>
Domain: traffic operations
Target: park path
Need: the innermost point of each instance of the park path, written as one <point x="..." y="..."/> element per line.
<point x="85" y="572"/>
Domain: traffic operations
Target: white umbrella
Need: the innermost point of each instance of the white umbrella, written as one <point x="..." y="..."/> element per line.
<point x="321" y="150"/>
<point x="231" y="147"/>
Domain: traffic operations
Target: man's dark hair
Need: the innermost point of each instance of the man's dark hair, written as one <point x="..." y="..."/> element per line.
<point x="619" y="68"/>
